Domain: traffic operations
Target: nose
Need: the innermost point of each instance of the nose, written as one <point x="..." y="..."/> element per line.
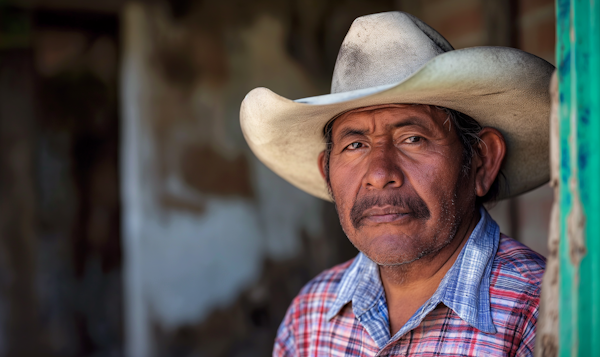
<point x="383" y="168"/>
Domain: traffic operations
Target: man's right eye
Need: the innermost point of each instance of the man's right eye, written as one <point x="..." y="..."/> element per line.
<point x="354" y="146"/>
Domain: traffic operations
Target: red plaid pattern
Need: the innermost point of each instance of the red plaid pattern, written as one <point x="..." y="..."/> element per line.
<point x="514" y="287"/>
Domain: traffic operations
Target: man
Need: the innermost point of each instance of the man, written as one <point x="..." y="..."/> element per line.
<point x="409" y="145"/>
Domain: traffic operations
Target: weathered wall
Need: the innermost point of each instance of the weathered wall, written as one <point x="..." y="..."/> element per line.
<point x="216" y="245"/>
<point x="209" y="229"/>
<point x="60" y="280"/>
<point x="206" y="223"/>
<point x="19" y="303"/>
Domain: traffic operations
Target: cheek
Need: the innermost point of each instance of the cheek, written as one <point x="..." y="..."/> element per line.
<point x="345" y="180"/>
<point x="436" y="183"/>
<point x="345" y="185"/>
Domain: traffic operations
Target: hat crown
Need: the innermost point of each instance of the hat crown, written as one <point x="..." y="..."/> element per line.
<point x="384" y="48"/>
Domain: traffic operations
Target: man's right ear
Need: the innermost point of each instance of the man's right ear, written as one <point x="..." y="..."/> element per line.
<point x="321" y="162"/>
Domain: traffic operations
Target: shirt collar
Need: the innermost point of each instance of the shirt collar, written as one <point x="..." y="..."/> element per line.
<point x="360" y="284"/>
<point x="465" y="288"/>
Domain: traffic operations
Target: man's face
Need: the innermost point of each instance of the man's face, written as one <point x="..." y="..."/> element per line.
<point x="397" y="181"/>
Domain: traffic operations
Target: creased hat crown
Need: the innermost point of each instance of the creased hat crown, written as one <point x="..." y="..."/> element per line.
<point x="384" y="48"/>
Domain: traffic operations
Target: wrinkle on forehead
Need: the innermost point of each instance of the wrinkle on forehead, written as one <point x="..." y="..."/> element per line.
<point x="373" y="113"/>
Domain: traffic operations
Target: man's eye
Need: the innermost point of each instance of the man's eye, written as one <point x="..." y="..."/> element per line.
<point x="354" y="146"/>
<point x="413" y="139"/>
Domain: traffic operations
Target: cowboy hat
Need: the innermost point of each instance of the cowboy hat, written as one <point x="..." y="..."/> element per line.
<point x="394" y="57"/>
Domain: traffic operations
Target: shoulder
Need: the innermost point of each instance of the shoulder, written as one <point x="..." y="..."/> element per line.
<point x="515" y="288"/>
<point x="306" y="313"/>
<point x="322" y="290"/>
<point x="519" y="263"/>
<point x="515" y="282"/>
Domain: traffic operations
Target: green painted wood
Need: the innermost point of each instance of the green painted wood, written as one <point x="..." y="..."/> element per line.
<point x="578" y="60"/>
<point x="563" y="60"/>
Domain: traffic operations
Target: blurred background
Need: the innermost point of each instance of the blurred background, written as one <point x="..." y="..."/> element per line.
<point x="134" y="220"/>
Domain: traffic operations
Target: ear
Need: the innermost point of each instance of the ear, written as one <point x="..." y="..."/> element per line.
<point x="321" y="163"/>
<point x="490" y="154"/>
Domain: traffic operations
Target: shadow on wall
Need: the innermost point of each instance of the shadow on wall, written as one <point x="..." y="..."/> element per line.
<point x="60" y="273"/>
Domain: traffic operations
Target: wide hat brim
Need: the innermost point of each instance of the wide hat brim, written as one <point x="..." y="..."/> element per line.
<point x="500" y="87"/>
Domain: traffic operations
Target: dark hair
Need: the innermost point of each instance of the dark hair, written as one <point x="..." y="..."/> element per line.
<point x="466" y="128"/>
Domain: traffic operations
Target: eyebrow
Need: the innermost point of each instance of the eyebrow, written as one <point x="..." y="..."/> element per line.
<point x="352" y="132"/>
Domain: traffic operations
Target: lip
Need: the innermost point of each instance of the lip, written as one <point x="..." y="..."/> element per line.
<point x="385" y="214"/>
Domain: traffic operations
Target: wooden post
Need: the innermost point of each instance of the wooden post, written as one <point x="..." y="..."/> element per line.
<point x="547" y="327"/>
<point x="578" y="193"/>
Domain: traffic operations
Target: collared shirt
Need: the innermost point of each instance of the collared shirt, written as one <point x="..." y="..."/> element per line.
<point x="486" y="305"/>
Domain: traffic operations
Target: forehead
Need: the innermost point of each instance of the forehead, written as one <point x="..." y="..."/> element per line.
<point x="425" y="115"/>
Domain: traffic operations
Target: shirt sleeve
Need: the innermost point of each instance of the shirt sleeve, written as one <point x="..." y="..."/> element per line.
<point x="285" y="345"/>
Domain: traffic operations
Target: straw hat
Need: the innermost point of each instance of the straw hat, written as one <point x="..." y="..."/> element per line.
<point x="394" y="57"/>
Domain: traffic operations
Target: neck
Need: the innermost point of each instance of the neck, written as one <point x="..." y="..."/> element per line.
<point x="426" y="273"/>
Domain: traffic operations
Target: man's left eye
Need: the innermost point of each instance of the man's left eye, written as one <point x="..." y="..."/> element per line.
<point x="413" y="139"/>
<point x="354" y="146"/>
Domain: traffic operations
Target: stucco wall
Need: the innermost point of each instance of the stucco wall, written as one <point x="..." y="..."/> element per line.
<point x="202" y="214"/>
<point x="206" y="224"/>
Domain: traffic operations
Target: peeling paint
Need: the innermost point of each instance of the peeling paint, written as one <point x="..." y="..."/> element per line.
<point x="576" y="229"/>
<point x="193" y="264"/>
<point x="578" y="60"/>
<point x="547" y="328"/>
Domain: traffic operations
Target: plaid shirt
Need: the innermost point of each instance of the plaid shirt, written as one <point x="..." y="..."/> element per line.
<point x="486" y="305"/>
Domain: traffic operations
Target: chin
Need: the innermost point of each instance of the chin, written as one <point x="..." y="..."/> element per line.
<point x="393" y="250"/>
<point x="388" y="260"/>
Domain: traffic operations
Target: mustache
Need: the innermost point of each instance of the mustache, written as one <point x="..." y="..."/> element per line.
<point x="413" y="204"/>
